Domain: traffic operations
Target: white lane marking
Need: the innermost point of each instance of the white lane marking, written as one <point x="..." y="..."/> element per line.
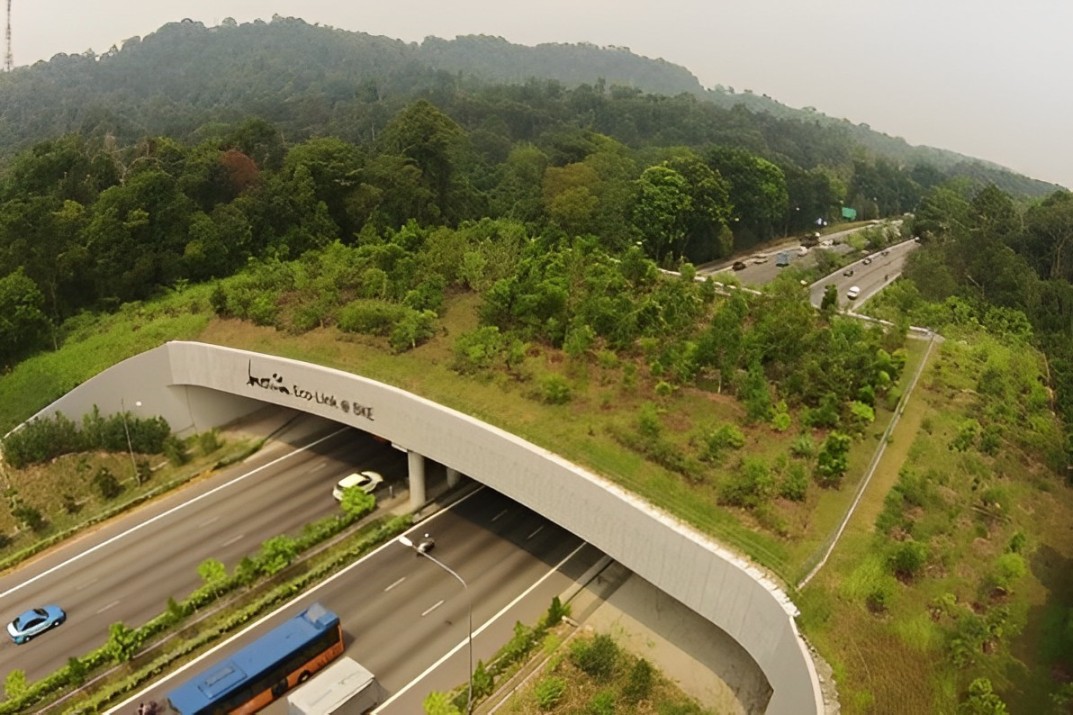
<point x="167" y="513"/>
<point x="465" y="641"/>
<point x="113" y="604"/>
<point x="232" y="540"/>
<point x="87" y="584"/>
<point x="320" y="466"/>
<point x="197" y="662"/>
<point x="537" y="531"/>
<point x="210" y="520"/>
<point x="394" y="584"/>
<point x="433" y="608"/>
<point x="496" y="517"/>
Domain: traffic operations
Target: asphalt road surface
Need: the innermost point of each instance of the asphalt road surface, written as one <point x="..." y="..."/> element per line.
<point x="406" y="619"/>
<point x="127" y="569"/>
<point x="869" y="277"/>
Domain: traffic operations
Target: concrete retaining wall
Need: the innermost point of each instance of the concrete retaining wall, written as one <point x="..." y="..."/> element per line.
<point x="196" y="386"/>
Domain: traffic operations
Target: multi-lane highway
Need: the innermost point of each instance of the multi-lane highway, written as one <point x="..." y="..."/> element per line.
<point x="401" y="613"/>
<point x="760" y="266"/>
<point x="406" y="619"/>
<point x="127" y="569"/>
<point x="882" y="268"/>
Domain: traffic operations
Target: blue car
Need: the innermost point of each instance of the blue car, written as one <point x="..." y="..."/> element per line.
<point x="35" y="622"/>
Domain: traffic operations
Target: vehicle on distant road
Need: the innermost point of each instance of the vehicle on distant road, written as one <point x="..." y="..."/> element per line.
<point x="853" y="292"/>
<point x="848" y="272"/>
<point x="366" y="481"/>
<point x="426" y="544"/>
<point x="759" y="258"/>
<point x="783" y="259"/>
<point x="885" y="252"/>
<point x="866" y="261"/>
<point x="738" y="266"/>
<point x="34" y="622"/>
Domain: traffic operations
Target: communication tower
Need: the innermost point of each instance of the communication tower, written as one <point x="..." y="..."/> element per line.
<point x="8" y="61"/>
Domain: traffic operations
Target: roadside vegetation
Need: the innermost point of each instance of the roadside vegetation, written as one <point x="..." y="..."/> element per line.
<point x="60" y="478"/>
<point x="591" y="673"/>
<point x="555" y="667"/>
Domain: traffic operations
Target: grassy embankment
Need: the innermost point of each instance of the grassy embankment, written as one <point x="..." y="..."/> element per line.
<point x="912" y="644"/>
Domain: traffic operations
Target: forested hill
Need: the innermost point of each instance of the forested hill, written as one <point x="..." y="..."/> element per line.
<point x="300" y="76"/>
<point x="495" y="59"/>
<point x="313" y="80"/>
<point x="881" y="144"/>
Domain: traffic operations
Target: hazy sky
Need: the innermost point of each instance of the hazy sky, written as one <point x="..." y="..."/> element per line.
<point x="985" y="78"/>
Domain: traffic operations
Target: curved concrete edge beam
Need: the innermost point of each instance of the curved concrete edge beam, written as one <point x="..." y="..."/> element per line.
<point x="198" y="386"/>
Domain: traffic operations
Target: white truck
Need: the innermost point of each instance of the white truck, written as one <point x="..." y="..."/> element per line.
<point x="345" y="687"/>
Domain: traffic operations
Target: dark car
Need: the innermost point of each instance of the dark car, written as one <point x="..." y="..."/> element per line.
<point x="35" y="622"/>
<point x="738" y="266"/>
<point x="848" y="272"/>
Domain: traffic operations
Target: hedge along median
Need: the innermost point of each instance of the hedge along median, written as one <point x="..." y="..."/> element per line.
<point x="270" y="584"/>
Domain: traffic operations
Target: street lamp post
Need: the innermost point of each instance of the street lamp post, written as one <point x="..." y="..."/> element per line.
<point x="126" y="430"/>
<point x="407" y="542"/>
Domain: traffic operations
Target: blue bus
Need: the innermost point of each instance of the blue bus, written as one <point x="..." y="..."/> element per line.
<point x="264" y="670"/>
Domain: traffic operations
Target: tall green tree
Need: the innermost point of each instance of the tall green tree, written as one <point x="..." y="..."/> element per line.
<point x="335" y="167"/>
<point x="136" y="236"/>
<point x="1048" y="238"/>
<point x="705" y="221"/>
<point x="660" y="213"/>
<point x="757" y="192"/>
<point x="571" y="197"/>
<point x="517" y="193"/>
<point x="23" y="324"/>
<point x="436" y="145"/>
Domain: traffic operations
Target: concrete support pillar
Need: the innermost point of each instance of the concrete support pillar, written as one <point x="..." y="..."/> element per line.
<point x="453" y="477"/>
<point x="416" y="463"/>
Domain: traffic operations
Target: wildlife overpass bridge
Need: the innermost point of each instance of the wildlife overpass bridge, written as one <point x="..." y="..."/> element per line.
<point x="197" y="386"/>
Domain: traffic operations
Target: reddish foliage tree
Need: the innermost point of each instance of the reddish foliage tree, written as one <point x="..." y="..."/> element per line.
<point x="241" y="171"/>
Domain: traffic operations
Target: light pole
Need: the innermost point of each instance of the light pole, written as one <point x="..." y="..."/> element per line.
<point x="407" y="542"/>
<point x="126" y="430"/>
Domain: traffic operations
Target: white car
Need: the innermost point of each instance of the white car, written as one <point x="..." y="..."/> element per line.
<point x="853" y="292"/>
<point x="365" y="481"/>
